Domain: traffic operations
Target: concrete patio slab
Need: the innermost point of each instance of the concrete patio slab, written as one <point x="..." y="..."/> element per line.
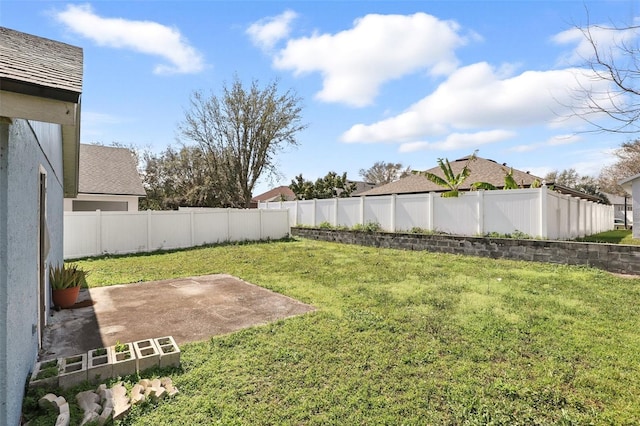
<point x="189" y="309"/>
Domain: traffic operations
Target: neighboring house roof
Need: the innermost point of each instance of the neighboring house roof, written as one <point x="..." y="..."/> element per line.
<point x="276" y="194"/>
<point x="41" y="80"/>
<point x="108" y="170"/>
<point x="617" y="199"/>
<point x="627" y="184"/>
<point x="361" y="187"/>
<point x="482" y="170"/>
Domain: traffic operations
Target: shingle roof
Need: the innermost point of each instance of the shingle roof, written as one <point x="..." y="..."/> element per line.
<point x="108" y="170"/>
<point x="275" y="194"/>
<point x="35" y="62"/>
<point x="482" y="170"/>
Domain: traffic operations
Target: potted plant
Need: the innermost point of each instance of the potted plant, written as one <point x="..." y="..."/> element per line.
<point x="65" y="281"/>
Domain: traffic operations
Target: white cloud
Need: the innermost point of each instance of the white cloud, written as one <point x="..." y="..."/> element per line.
<point x="355" y="62"/>
<point x="141" y="36"/>
<point x="268" y="31"/>
<point x="479" y="97"/>
<point x="459" y="141"/>
<point x="552" y="141"/>
<point x="605" y="38"/>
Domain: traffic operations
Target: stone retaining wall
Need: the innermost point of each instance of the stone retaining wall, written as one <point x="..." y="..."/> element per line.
<point x="617" y="258"/>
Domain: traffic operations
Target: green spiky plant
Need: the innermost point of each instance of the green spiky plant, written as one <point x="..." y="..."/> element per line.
<point x="67" y="276"/>
<point x="509" y="183"/>
<point x="451" y="181"/>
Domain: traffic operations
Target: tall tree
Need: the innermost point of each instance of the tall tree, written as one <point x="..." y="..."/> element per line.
<point x="570" y="178"/>
<point x="330" y="186"/>
<point x="613" y="58"/>
<point x="241" y="132"/>
<point x="178" y="178"/>
<point x="382" y="172"/>
<point x="627" y="165"/>
<point x="566" y="177"/>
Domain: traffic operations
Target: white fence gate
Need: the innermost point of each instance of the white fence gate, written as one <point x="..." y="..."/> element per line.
<point x="97" y="233"/>
<point x="537" y="212"/>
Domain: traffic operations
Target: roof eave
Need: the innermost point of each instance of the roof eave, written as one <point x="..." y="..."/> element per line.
<point x="32" y="89"/>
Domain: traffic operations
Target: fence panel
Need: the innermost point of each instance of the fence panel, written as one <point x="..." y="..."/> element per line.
<point x="306" y="213"/>
<point x="456" y="215"/>
<point x="349" y="212"/>
<point x="326" y="211"/>
<point x="502" y="212"/>
<point x="81" y="237"/>
<point x="169" y="230"/>
<point x="412" y="211"/>
<point x="553" y="216"/>
<point x="378" y="210"/>
<point x="122" y="232"/>
<point x="210" y="227"/>
<point x="508" y="211"/>
<point x="275" y="225"/>
<point x="96" y="233"/>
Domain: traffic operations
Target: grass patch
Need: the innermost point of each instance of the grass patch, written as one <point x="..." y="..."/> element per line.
<point x="619" y="236"/>
<point x="403" y="338"/>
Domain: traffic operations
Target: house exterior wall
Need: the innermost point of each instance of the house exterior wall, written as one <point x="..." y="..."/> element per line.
<point x="28" y="149"/>
<point x="131" y="200"/>
<point x="635" y="194"/>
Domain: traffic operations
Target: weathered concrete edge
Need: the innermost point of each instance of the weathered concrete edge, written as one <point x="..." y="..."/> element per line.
<point x="618" y="258"/>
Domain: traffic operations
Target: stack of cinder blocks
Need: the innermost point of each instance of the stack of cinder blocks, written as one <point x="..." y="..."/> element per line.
<point x="103" y="363"/>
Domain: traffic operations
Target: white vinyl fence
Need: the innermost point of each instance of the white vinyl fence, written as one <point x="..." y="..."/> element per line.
<point x="97" y="233"/>
<point x="538" y="212"/>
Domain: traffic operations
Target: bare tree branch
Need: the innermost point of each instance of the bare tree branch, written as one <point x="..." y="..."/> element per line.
<point x="241" y="133"/>
<point x="617" y="64"/>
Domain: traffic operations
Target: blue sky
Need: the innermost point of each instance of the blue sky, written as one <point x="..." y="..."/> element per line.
<point x="397" y="81"/>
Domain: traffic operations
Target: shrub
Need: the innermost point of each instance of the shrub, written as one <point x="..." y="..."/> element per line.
<point x="367" y="227"/>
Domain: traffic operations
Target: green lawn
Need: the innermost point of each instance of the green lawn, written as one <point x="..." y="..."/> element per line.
<point x="619" y="236"/>
<point x="403" y="338"/>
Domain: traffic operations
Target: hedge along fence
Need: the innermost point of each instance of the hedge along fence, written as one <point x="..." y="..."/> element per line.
<point x="617" y="258"/>
<point x="97" y="233"/>
<point x="538" y="212"/>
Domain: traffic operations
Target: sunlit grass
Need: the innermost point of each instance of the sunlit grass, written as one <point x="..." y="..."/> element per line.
<point x="619" y="236"/>
<point x="404" y="337"/>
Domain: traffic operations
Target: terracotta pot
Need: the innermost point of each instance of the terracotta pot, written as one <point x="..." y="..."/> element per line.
<point x="65" y="298"/>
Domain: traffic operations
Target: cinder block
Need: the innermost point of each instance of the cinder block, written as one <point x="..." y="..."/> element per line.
<point x="99" y="365"/>
<point x="123" y="361"/>
<point x="73" y="371"/>
<point x="147" y="354"/>
<point x="169" y="352"/>
<point x="45" y="374"/>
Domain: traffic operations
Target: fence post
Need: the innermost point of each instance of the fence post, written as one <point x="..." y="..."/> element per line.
<point x="149" y="229"/>
<point x="335" y="212"/>
<point x="313" y="213"/>
<point x="362" y="209"/>
<point x="393" y="212"/>
<point x="98" y="232"/>
<point x="192" y="227"/>
<point x="543" y="211"/>
<point x="430" y="209"/>
<point x="228" y="224"/>
<point x="261" y="225"/>
<point x="480" y="207"/>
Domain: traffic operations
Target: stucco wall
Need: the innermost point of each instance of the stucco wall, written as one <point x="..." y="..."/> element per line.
<point x="610" y="257"/>
<point x="635" y="194"/>
<point x="26" y="158"/>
